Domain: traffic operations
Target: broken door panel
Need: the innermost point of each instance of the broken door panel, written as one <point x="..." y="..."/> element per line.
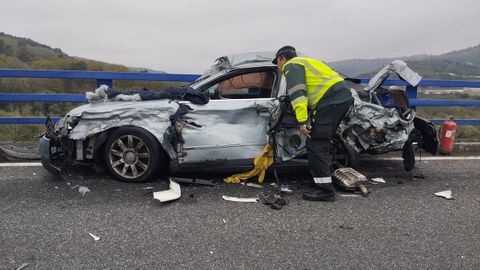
<point x="231" y="129"/>
<point x="290" y="142"/>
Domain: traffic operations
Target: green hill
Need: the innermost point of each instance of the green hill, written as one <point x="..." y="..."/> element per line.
<point x="17" y="52"/>
<point x="24" y="53"/>
<point x="456" y="65"/>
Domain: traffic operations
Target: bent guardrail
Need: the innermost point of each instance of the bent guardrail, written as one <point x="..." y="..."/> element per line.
<point x="107" y="78"/>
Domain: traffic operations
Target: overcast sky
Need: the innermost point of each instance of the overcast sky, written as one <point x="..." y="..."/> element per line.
<point x="180" y="36"/>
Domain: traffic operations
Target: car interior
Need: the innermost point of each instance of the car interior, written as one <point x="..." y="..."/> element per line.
<point x="242" y="86"/>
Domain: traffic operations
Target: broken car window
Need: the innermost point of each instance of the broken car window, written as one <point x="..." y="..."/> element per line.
<point x="248" y="85"/>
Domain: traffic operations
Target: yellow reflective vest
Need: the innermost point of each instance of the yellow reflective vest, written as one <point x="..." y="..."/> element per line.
<point x="318" y="78"/>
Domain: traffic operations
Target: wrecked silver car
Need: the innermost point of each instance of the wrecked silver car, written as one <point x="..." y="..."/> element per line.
<point x="137" y="140"/>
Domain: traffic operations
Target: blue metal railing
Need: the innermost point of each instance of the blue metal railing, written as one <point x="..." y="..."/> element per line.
<point x="107" y="78"/>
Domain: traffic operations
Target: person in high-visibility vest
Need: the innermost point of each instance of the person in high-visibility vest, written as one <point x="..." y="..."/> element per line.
<point x="320" y="100"/>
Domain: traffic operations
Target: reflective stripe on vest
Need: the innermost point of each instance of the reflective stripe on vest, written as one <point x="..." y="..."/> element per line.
<point x="319" y="77"/>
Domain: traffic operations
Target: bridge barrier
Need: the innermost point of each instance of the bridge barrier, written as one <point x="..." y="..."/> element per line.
<point x="107" y="78"/>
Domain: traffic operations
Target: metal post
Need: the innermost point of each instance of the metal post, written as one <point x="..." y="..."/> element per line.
<point x="412" y="93"/>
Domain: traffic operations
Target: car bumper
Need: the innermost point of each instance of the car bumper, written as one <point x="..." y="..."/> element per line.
<point x="45" y="154"/>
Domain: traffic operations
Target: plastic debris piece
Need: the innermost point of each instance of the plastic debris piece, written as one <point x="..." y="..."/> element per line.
<point x="236" y="199"/>
<point x="22" y="266"/>
<point x="224" y="221"/>
<point x="346" y="227"/>
<point x="254" y="185"/>
<point x="96" y="238"/>
<point x="148" y="188"/>
<point x="378" y="180"/>
<point x="173" y="193"/>
<point x="349" y="195"/>
<point x="75" y="187"/>
<point x="447" y="194"/>
<point x="83" y="190"/>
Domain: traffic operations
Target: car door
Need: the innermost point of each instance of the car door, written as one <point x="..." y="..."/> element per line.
<point x="233" y="125"/>
<point x="290" y="143"/>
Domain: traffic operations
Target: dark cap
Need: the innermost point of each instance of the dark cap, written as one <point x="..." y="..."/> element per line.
<point x="283" y="50"/>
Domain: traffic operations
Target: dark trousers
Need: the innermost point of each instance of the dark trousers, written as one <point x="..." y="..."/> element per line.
<point x="319" y="147"/>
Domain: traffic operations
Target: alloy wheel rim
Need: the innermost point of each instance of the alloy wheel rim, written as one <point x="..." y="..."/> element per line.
<point x="129" y="156"/>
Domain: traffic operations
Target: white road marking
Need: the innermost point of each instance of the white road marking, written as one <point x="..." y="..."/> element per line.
<point x="21" y="164"/>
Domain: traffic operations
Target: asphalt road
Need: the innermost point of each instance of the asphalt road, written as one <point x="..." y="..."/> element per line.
<point x="45" y="222"/>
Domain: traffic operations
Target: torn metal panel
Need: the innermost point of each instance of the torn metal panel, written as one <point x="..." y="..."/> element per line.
<point x="350" y="179"/>
<point x="92" y="119"/>
<point x="376" y="129"/>
<point x="400" y="68"/>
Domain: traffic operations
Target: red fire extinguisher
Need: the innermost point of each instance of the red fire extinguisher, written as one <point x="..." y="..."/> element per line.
<point x="447" y="138"/>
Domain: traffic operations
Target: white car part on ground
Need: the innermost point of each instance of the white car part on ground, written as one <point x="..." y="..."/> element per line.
<point x="173" y="193"/>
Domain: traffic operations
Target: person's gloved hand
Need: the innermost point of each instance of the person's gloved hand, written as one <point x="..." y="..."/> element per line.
<point x="305" y="130"/>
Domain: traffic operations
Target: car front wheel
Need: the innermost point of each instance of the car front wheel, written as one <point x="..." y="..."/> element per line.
<point x="132" y="154"/>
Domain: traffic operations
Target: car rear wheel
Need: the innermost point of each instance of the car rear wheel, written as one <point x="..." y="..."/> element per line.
<point x="344" y="155"/>
<point x="133" y="154"/>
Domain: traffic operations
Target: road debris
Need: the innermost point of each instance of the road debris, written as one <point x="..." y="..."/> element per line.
<point x="83" y="190"/>
<point x="346" y="227"/>
<point x="349" y="195"/>
<point x="173" y="193"/>
<point x="236" y="199"/>
<point x="350" y="180"/>
<point x="148" y="188"/>
<point x="224" y="221"/>
<point x="22" y="266"/>
<point x="194" y="181"/>
<point x="252" y="185"/>
<point x="378" y="180"/>
<point x="447" y="194"/>
<point x="96" y="238"/>
<point x="284" y="188"/>
<point x="275" y="201"/>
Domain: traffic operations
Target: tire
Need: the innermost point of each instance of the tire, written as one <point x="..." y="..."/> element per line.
<point x="133" y="155"/>
<point x="344" y="155"/>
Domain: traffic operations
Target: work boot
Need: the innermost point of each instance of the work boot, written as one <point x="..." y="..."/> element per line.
<point x="322" y="192"/>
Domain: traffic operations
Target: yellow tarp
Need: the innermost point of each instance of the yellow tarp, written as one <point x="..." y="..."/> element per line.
<point x="261" y="162"/>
